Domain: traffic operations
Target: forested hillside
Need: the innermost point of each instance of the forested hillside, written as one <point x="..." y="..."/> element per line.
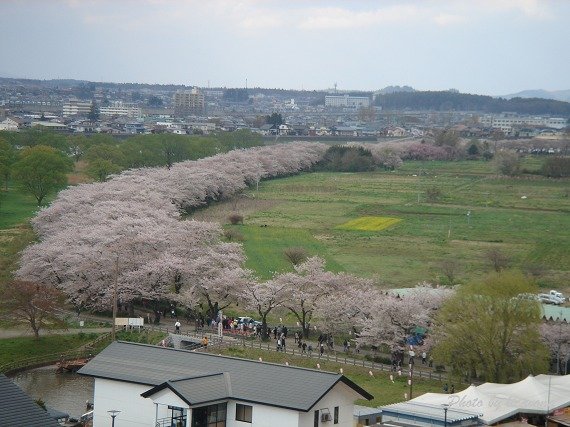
<point x="447" y="100"/>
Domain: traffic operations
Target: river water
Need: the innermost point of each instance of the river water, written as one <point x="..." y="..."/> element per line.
<point x="66" y="392"/>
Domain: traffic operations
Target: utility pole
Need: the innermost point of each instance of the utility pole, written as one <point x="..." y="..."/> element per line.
<point x="115" y="301"/>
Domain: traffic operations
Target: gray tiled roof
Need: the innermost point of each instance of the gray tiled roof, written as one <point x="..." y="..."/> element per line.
<point x="198" y="390"/>
<point x="17" y="409"/>
<point x="247" y="380"/>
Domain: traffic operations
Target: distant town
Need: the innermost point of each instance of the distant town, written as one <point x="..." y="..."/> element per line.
<point x="124" y="109"/>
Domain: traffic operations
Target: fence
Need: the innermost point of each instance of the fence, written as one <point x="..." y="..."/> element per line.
<point x="345" y="359"/>
<point x="213" y="338"/>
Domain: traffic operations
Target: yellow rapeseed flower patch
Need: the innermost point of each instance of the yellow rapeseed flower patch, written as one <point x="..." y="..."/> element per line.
<point x="369" y="223"/>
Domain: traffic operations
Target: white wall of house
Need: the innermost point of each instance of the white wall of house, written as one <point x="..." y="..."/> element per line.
<point x="139" y="411"/>
<point x="342" y="396"/>
<point x="163" y="399"/>
<point x="125" y="397"/>
<point x="263" y="416"/>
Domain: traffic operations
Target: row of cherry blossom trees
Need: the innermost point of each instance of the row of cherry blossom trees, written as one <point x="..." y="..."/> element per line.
<point x="128" y="233"/>
<point x="340" y="303"/>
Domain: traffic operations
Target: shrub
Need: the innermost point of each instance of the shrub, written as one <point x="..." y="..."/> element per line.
<point x="556" y="167"/>
<point x="235" y="218"/>
<point x="507" y="163"/>
<point x="379" y="359"/>
<point x="342" y="158"/>
<point x="499" y="261"/>
<point x="433" y="194"/>
<point x="295" y="255"/>
<point x="233" y="235"/>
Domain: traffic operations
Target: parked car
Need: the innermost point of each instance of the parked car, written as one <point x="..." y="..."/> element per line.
<point x="550" y="299"/>
<point x="248" y="321"/>
<point x="557" y="295"/>
<point x="244" y="319"/>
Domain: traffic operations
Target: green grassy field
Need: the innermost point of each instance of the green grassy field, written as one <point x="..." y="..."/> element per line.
<point x="475" y="211"/>
<point x="14" y="349"/>
<point x="16" y="208"/>
<point x="22" y="348"/>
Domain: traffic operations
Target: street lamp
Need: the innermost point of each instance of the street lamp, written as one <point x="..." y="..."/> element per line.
<point x="445" y="408"/>
<point x="113" y="413"/>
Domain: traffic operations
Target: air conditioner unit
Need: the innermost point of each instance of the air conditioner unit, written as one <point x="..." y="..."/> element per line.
<point x="326" y="417"/>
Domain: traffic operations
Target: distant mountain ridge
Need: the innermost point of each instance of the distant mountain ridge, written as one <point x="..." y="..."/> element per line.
<point x="558" y="95"/>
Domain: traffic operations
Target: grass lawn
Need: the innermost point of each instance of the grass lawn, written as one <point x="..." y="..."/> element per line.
<point x="13" y="349"/>
<point x="475" y="211"/>
<point x="384" y="391"/>
<point x="21" y="348"/>
<point x="16" y="207"/>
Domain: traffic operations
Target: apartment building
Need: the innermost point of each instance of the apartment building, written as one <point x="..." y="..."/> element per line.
<point x="346" y="101"/>
<point x="507" y="121"/>
<point x="74" y="107"/>
<point x="119" y="108"/>
<point x="188" y="102"/>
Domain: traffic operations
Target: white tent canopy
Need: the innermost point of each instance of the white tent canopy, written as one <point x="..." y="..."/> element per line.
<point x="495" y="402"/>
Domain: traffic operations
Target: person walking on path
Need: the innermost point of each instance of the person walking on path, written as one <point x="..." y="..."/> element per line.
<point x="424" y="358"/>
<point x="177" y="326"/>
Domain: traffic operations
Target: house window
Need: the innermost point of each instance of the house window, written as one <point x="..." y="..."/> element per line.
<point x="177" y="416"/>
<point x="244" y="412"/>
<point x="336" y="414"/>
<point x="209" y="416"/>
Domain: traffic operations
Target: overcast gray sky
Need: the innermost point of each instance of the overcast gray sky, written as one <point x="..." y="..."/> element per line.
<point x="478" y="46"/>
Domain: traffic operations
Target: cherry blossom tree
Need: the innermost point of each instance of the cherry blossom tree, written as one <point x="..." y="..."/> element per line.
<point x="341" y="311"/>
<point x="129" y="231"/>
<point x="391" y="318"/>
<point x="264" y="298"/>
<point x="35" y="304"/>
<point x="556" y="336"/>
<point x="308" y="286"/>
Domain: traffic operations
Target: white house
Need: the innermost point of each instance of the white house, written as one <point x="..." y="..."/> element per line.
<point x="9" y="125"/>
<point x="156" y="386"/>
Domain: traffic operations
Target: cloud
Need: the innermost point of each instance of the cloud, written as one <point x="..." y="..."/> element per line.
<point x="445" y="19"/>
<point x="342" y="18"/>
<point x="532" y="9"/>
